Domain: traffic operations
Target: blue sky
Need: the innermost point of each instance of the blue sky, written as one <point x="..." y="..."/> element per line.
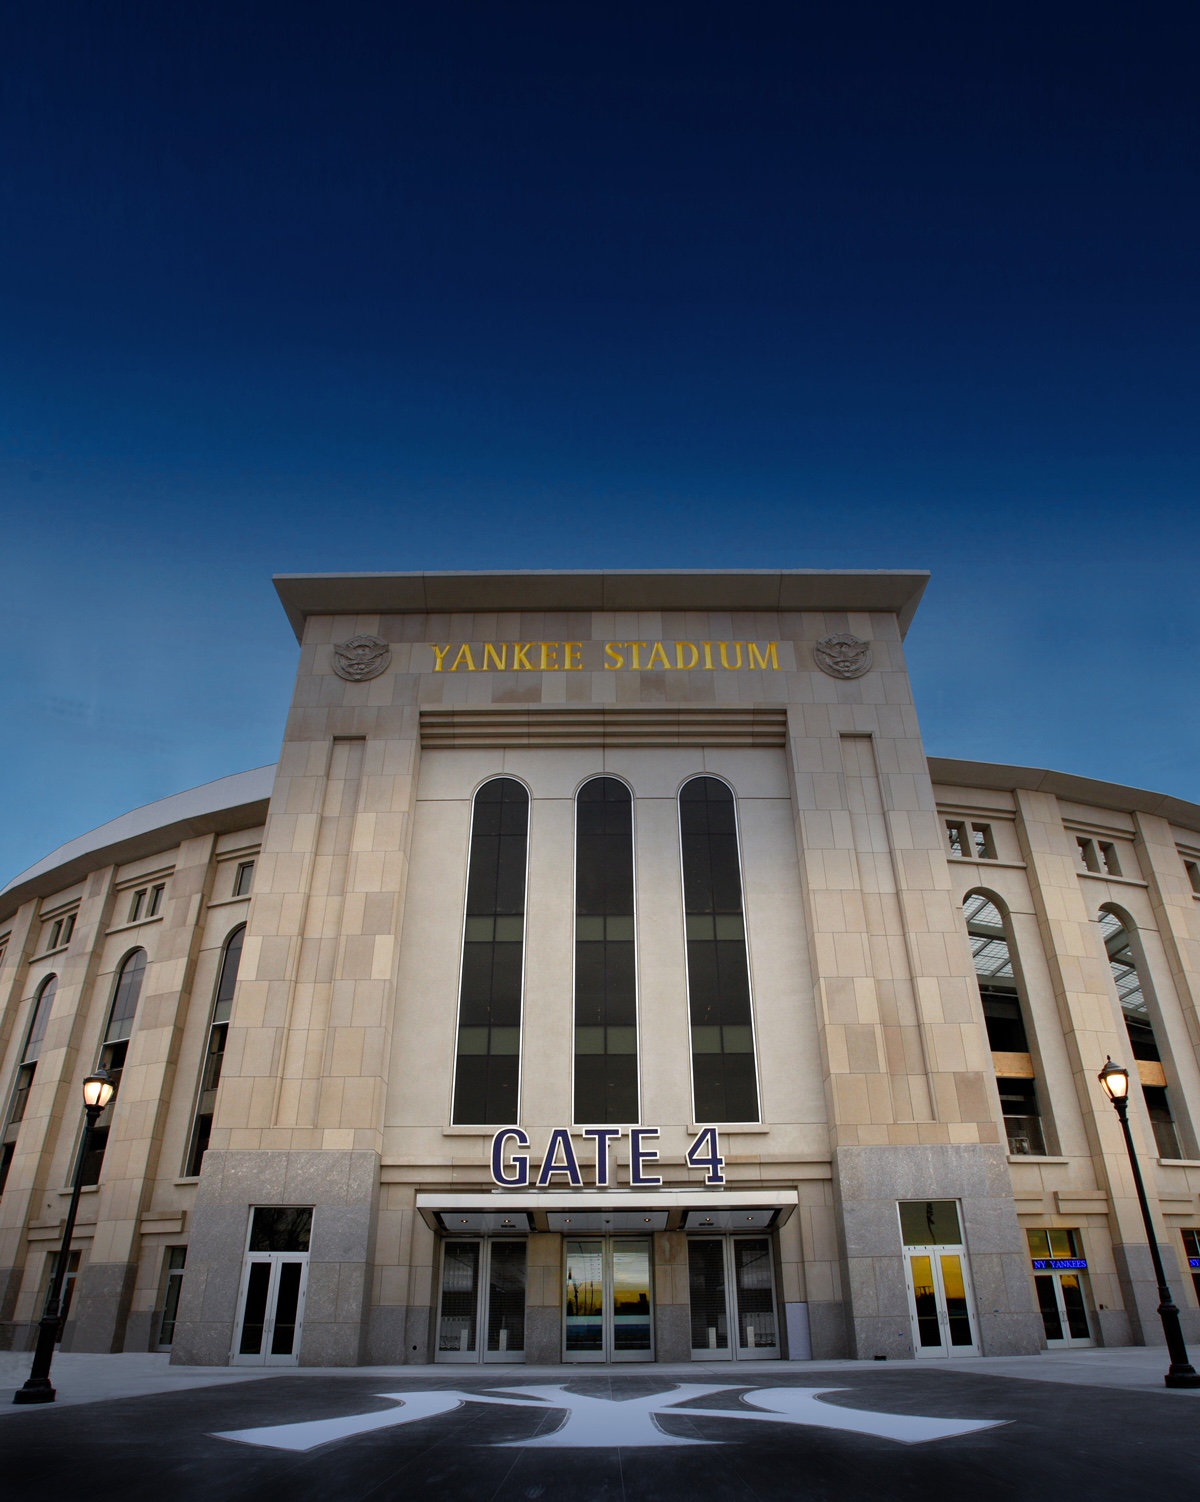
<point x="290" y="288"/>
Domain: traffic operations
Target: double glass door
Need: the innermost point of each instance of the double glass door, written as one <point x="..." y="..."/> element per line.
<point x="732" y="1286"/>
<point x="482" y="1313"/>
<point x="273" y="1283"/>
<point x="939" y="1287"/>
<point x="608" y="1309"/>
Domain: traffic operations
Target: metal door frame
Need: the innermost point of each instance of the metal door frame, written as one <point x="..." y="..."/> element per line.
<point x="945" y="1351"/>
<point x="607" y="1353"/>
<point x="734" y="1350"/>
<point x="264" y="1356"/>
<point x="1073" y="1342"/>
<point x="481" y="1354"/>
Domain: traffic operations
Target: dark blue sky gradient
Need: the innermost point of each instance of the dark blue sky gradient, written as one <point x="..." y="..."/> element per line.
<point x="289" y="287"/>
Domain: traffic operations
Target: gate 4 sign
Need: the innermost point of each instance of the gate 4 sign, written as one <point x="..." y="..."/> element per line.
<point x="511" y="1158"/>
<point x="578" y="1421"/>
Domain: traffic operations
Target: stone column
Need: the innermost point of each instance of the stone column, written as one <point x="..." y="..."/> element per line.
<point x="131" y="1160"/>
<point x="300" y="1113"/>
<point x="49" y="1139"/>
<point x="672" y="1298"/>
<point x="903" y="1045"/>
<point x="16" y="1002"/>
<point x="1092" y="1029"/>
<point x="544" y="1300"/>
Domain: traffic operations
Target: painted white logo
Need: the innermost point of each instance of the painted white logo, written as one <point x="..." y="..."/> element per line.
<point x="621" y="1423"/>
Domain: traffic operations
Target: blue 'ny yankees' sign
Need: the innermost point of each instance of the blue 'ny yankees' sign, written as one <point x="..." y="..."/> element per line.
<point x="511" y="1158"/>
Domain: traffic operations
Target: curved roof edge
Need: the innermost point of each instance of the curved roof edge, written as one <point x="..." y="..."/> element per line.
<point x="1002" y="778"/>
<point x="213" y="808"/>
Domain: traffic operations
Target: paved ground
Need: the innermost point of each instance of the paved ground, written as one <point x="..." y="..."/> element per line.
<point x="1091" y="1425"/>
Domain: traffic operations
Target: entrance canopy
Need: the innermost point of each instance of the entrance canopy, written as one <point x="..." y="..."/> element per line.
<point x="606" y="1211"/>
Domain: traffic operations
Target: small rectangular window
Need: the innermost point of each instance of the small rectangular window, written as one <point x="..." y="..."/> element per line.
<point x="68" y="928"/>
<point x="1193" y="872"/>
<point x="155" y="904"/>
<point x="135" y="907"/>
<point x="1108" y="858"/>
<point x="957" y="835"/>
<point x="55" y="933"/>
<point x="1087" y="854"/>
<point x="173" y="1274"/>
<point x="985" y="847"/>
<point x="241" y="882"/>
<point x="930" y="1223"/>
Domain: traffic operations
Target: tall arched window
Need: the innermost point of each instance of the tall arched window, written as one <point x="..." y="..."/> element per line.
<point x="606" y="1057"/>
<point x="26" y="1069"/>
<point x="214" y="1054"/>
<point x="125" y="1000"/>
<point x="724" y="1078"/>
<point x="1140" y="1027"/>
<point x="488" y="1067"/>
<point x="1005" y="1018"/>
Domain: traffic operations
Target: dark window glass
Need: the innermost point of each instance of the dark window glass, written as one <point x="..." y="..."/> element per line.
<point x="1139" y="1026"/>
<point x="280" y="1229"/>
<point x="112" y="1055"/>
<point x="606" y="1060"/>
<point x="6" y="1157"/>
<point x="126" y="996"/>
<point x="210" y="1073"/>
<point x="487" y="1071"/>
<point x="23" y="1083"/>
<point x="41" y="1016"/>
<point x="724" y="1077"/>
<point x="1022" y="1120"/>
<point x="176" y="1258"/>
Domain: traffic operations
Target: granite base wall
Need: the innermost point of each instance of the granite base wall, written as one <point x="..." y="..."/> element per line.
<point x="868" y="1182"/>
<point x="100" y="1306"/>
<point x="343" y="1189"/>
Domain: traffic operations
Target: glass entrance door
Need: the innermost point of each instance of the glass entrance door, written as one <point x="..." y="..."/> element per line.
<point x="939" y="1289"/>
<point x="1060" y="1278"/>
<point x="732" y="1286"/>
<point x="273" y="1285"/>
<point x="608" y="1300"/>
<point x="482" y="1314"/>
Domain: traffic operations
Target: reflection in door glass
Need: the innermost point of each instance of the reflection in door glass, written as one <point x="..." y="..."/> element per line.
<point x="706" y="1278"/>
<point x="506" y="1297"/>
<point x="287" y="1301"/>
<point x="460" y="1293"/>
<point x="585" y="1296"/>
<point x="926" y="1301"/>
<point x="1048" y="1304"/>
<point x="957" y="1313"/>
<point x="631" y="1295"/>
<point x="255" y="1316"/>
<point x="756" y="1303"/>
<point x="1071" y="1285"/>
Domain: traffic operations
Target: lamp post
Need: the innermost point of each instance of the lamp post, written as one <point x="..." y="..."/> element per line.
<point x="97" y="1092"/>
<point x="1181" y="1372"/>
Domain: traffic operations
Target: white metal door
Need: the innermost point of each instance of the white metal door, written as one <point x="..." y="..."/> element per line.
<point x="732" y="1288"/>
<point x="481" y="1316"/>
<point x="608" y="1303"/>
<point x="940" y="1303"/>
<point x="272" y="1309"/>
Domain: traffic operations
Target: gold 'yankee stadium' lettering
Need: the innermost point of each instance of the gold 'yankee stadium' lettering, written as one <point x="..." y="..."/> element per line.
<point x="567" y="656"/>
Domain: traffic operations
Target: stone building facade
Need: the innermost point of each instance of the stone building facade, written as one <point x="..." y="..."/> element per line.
<point x="604" y="973"/>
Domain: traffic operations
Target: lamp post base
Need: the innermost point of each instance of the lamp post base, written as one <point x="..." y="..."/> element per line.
<point x="38" y="1390"/>
<point x="1188" y="1377"/>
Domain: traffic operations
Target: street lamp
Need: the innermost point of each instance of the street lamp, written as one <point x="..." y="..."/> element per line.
<point x="1181" y="1373"/>
<point x="98" y="1090"/>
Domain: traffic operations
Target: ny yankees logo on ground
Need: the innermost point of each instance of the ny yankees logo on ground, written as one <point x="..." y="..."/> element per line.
<point x="623" y="1423"/>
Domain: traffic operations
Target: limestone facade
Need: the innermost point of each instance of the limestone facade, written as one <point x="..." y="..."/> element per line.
<point x="344" y="878"/>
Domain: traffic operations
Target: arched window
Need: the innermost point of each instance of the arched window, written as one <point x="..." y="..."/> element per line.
<point x="125" y="1000"/>
<point x="606" y="1057"/>
<point x="488" y="1066"/>
<point x="1140" y="1026"/>
<point x="1004" y="1015"/>
<point x="724" y="1078"/>
<point x="214" y="1054"/>
<point x="26" y="1069"/>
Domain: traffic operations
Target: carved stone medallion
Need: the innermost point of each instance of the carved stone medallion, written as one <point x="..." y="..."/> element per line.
<point x="360" y="658"/>
<point x="843" y="655"/>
